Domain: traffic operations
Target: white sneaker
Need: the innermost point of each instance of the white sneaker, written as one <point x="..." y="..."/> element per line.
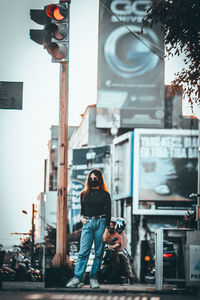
<point x="94" y="283"/>
<point x="74" y="283"/>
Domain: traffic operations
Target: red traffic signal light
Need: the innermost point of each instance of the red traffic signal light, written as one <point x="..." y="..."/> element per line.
<point x="56" y="12"/>
<point x="58" y="28"/>
<point x="54" y="36"/>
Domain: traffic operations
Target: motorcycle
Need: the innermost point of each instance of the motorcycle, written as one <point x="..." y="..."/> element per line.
<point x="114" y="266"/>
<point x="7" y="273"/>
<point x="31" y="273"/>
<point x="23" y="271"/>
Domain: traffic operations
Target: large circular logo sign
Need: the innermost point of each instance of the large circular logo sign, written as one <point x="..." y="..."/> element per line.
<point x="127" y="55"/>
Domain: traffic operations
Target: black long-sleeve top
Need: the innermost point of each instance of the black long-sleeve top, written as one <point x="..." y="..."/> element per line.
<point x="96" y="203"/>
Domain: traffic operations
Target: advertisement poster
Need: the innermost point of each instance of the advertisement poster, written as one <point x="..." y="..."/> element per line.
<point x="122" y="166"/>
<point x="84" y="160"/>
<point x="194" y="263"/>
<point x="165" y="170"/>
<point x="130" y="67"/>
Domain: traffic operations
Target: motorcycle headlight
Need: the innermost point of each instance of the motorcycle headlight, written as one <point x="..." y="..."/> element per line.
<point x="37" y="271"/>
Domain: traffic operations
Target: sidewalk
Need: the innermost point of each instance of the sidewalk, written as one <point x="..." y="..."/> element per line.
<point x="104" y="288"/>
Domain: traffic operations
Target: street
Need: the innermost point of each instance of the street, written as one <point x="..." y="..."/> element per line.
<point x="56" y="296"/>
<point x="9" y="295"/>
<point x="36" y="291"/>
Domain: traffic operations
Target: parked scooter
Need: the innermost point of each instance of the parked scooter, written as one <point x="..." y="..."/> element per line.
<point x="22" y="271"/>
<point x="32" y="274"/>
<point x="7" y="273"/>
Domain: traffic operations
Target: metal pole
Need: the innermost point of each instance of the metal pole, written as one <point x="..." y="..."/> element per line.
<point x="159" y="259"/>
<point x="198" y="184"/>
<point x="45" y="174"/>
<point x="43" y="259"/>
<point x="60" y="257"/>
<point x="44" y="244"/>
<point x="33" y="235"/>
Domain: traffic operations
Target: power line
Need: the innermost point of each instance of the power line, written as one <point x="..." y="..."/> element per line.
<point x="141" y="39"/>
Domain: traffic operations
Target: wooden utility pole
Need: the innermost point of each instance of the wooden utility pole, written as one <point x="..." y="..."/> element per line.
<point x="61" y="234"/>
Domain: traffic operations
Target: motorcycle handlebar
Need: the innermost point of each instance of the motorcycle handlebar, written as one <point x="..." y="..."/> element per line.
<point x="194" y="195"/>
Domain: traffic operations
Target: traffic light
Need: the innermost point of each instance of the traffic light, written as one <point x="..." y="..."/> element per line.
<point x="55" y="34"/>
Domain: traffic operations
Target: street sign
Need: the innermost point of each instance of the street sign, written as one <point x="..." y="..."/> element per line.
<point x="11" y="94"/>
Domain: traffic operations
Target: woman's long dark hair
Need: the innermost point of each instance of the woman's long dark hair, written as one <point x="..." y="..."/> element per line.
<point x="102" y="184"/>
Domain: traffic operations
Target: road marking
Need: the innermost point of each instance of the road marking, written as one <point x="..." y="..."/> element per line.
<point x="33" y="296"/>
<point x="58" y="296"/>
<point x="88" y="297"/>
<point x="121" y="298"/>
<point x="109" y="298"/>
<point x="82" y="297"/>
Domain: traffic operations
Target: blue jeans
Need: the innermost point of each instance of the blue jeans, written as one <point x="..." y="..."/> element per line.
<point x="91" y="231"/>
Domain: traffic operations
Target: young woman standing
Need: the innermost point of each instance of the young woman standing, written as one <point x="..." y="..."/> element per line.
<point x="95" y="217"/>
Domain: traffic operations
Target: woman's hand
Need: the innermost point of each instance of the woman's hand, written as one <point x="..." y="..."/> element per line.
<point x="105" y="235"/>
<point x="113" y="247"/>
<point x="83" y="220"/>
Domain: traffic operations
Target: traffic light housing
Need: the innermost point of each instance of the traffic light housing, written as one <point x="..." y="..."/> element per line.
<point x="55" y="34"/>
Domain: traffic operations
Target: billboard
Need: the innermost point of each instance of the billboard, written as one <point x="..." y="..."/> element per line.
<point x="130" y="67"/>
<point x="122" y="166"/>
<point x="165" y="170"/>
<point x="84" y="160"/>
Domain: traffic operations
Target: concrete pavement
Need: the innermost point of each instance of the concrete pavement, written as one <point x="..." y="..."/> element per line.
<point x="104" y="288"/>
<point x="107" y="288"/>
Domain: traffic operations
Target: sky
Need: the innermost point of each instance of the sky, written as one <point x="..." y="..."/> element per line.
<point x="24" y="134"/>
